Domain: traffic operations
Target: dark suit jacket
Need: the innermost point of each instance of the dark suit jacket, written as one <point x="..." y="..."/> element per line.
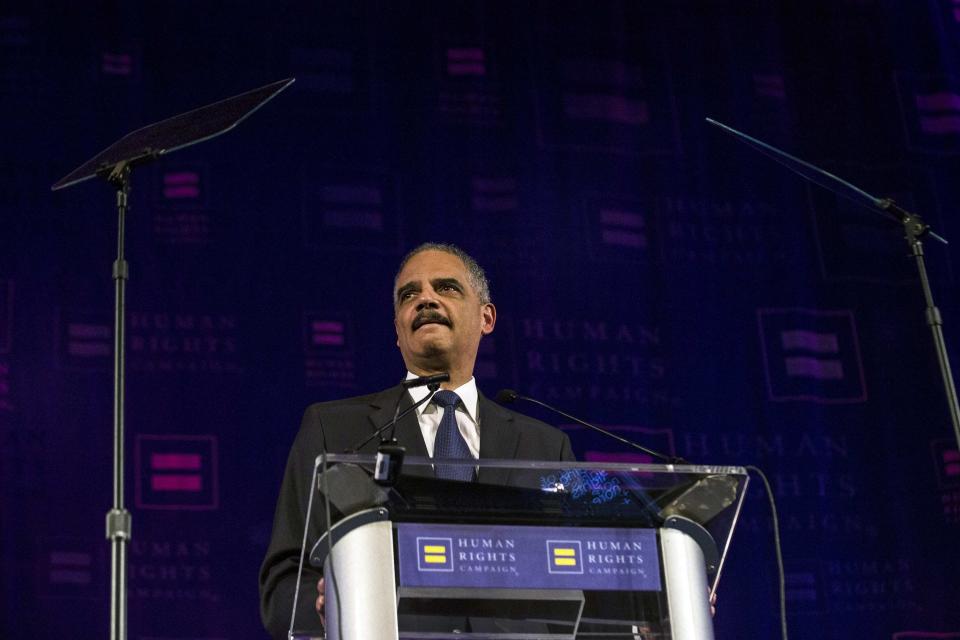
<point x="341" y="425"/>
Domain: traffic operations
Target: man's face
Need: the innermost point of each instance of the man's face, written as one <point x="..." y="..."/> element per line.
<point x="438" y="316"/>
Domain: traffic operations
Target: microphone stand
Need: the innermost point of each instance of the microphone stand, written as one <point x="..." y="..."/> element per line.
<point x="914" y="229"/>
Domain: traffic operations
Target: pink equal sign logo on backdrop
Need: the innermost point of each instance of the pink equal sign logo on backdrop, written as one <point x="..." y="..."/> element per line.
<point x="87" y="340"/>
<point x="466" y="61"/>
<point x="116" y="64"/>
<point x="622" y="228"/>
<point x="814" y="355"/>
<point x="947" y="462"/>
<point x="176" y="472"/>
<point x="939" y="112"/>
<point x="327" y="333"/>
<point x="811" y="355"/>
<point x="181" y="185"/>
<point x="70" y="568"/>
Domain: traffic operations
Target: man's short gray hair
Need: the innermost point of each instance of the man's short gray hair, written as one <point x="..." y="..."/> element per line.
<point x="478" y="279"/>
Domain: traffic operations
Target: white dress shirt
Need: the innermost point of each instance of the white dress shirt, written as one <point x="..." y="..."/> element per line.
<point x="429" y="414"/>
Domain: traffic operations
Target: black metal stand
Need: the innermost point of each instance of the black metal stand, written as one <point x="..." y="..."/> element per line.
<point x="119" y="520"/>
<point x="115" y="164"/>
<point x="914" y="229"/>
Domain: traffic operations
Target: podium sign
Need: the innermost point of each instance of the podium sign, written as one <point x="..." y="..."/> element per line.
<point x="533" y="549"/>
<point x="520" y="557"/>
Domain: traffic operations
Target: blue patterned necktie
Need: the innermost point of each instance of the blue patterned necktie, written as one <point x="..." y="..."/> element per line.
<point x="449" y="442"/>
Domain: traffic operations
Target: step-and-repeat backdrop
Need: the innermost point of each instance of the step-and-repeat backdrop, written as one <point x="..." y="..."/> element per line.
<point x="651" y="274"/>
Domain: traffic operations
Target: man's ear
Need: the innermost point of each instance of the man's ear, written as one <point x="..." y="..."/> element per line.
<point x="396" y="329"/>
<point x="488" y="318"/>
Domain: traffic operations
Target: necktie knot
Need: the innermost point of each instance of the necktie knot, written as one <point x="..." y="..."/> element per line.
<point x="446" y="399"/>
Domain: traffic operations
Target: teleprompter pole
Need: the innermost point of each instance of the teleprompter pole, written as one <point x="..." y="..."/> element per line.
<point x="119" y="520"/>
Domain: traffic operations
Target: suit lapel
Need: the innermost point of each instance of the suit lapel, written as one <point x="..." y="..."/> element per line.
<point x="498" y="439"/>
<point x="408" y="428"/>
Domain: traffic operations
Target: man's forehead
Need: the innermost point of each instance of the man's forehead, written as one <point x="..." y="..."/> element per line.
<point x="430" y="265"/>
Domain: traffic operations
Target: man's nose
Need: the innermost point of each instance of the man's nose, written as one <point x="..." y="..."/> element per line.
<point x="426" y="302"/>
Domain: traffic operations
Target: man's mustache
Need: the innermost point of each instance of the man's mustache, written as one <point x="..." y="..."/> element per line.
<point x="430" y="317"/>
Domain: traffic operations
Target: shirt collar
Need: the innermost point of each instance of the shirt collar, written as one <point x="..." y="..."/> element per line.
<point x="468" y="393"/>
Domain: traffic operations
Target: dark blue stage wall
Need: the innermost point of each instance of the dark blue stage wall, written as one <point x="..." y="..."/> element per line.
<point x="650" y="274"/>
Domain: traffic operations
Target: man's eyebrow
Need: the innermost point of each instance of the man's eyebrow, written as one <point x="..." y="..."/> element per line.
<point x="410" y="286"/>
<point x="436" y="282"/>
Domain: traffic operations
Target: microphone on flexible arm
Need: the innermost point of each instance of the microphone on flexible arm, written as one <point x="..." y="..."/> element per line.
<point x="506" y="396"/>
<point x="390" y="453"/>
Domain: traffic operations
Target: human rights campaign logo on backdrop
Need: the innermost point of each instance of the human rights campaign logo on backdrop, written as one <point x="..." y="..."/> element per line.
<point x="328" y="347"/>
<point x="616" y="99"/>
<point x="84" y="339"/>
<point x="181" y="213"/>
<point x="468" y="85"/>
<point x="71" y="568"/>
<point x="621" y="229"/>
<point x="811" y="355"/>
<point x="946" y="460"/>
<point x="176" y="472"/>
<point x="930" y="107"/>
<point x="350" y="209"/>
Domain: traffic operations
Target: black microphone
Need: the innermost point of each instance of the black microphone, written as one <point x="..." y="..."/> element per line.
<point x="506" y="396"/>
<point x="426" y="380"/>
<point x="396" y="419"/>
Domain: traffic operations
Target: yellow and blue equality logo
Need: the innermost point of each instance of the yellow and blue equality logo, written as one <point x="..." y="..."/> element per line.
<point x="564" y="556"/>
<point x="435" y="554"/>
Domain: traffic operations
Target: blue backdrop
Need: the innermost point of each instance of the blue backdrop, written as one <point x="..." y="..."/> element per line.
<point x="650" y="273"/>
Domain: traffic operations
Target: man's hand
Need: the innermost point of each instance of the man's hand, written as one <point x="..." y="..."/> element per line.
<point x="320" y="602"/>
<point x="713" y="603"/>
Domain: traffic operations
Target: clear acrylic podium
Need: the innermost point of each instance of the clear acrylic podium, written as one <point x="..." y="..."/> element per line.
<point x="531" y="550"/>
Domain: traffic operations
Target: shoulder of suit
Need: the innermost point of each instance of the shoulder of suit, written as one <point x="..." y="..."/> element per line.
<point x="519" y="420"/>
<point x="368" y="400"/>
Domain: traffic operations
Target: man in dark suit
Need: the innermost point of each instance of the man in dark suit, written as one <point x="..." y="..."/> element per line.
<point x="442" y="309"/>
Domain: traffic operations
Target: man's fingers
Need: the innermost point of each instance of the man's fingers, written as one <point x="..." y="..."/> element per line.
<point x="320" y="598"/>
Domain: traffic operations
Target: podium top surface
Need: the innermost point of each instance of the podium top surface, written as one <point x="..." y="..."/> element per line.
<point x="533" y="491"/>
<point x="184" y="130"/>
